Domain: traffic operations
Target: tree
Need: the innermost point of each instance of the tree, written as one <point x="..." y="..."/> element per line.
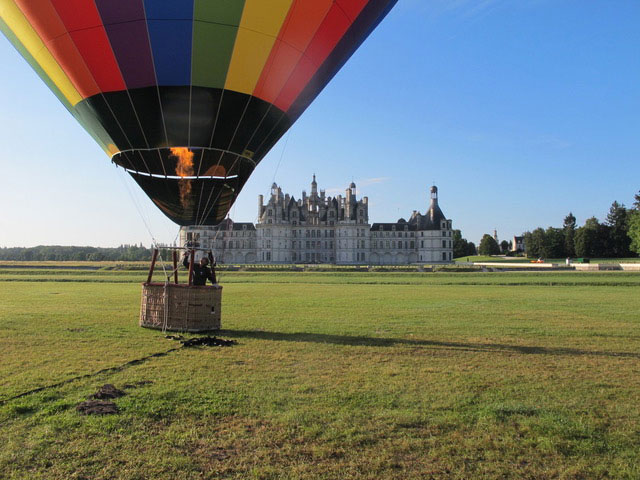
<point x="569" y="230"/>
<point x="462" y="247"/>
<point x="617" y="221"/>
<point x="459" y="244"/>
<point x="535" y="243"/>
<point x="488" y="245"/>
<point x="633" y="230"/>
<point x="504" y="246"/>
<point x="554" y="243"/>
<point x="592" y="240"/>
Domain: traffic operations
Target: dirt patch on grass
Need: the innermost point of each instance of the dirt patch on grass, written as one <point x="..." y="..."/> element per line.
<point x="97" y="407"/>
<point x="107" y="391"/>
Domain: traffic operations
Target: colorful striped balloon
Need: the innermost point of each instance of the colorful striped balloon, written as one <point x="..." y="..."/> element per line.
<point x="188" y="95"/>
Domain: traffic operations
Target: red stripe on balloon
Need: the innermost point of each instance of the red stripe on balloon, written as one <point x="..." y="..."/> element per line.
<point x="352" y="8"/>
<point x="45" y="21"/>
<point x="301" y="24"/>
<point x="334" y="26"/>
<point x="83" y="22"/>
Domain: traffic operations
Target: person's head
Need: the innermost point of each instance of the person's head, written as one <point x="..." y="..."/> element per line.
<point x="204" y="261"/>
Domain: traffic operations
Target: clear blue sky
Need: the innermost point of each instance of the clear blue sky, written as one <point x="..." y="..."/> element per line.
<point x="519" y="110"/>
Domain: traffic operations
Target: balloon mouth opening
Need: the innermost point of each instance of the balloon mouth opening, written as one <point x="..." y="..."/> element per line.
<point x="180" y="177"/>
<point x="184" y="163"/>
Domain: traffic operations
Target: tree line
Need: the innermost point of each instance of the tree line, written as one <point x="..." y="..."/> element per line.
<point x="64" y="253"/>
<point x="617" y="237"/>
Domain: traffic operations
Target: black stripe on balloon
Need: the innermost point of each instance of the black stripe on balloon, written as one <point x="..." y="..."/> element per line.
<point x="147" y="105"/>
<point x="243" y="122"/>
<point x="360" y="29"/>
<point x="178" y="199"/>
<point x="204" y="108"/>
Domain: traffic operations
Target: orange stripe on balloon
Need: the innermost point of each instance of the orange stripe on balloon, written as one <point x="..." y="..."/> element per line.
<point x="298" y="30"/>
<point x="333" y="28"/>
<point x="47" y="24"/>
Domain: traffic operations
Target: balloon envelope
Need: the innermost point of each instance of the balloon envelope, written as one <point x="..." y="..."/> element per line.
<point x="188" y="95"/>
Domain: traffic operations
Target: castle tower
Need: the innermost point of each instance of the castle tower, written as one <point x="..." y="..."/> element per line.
<point x="433" y="206"/>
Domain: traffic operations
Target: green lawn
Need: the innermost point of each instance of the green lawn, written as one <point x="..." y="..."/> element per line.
<point x="489" y="258"/>
<point x="335" y="375"/>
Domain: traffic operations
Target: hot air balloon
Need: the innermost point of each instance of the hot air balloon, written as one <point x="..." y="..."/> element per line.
<point x="188" y="95"/>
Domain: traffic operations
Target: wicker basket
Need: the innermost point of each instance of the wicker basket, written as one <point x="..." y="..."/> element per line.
<point x="180" y="308"/>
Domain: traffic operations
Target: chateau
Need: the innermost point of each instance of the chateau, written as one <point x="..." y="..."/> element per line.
<point x="320" y="229"/>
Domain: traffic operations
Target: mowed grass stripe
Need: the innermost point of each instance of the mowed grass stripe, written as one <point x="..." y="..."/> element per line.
<point x="330" y="380"/>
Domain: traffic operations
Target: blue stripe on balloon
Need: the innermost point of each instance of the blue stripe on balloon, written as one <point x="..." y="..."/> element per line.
<point x="171" y="32"/>
<point x="169" y="9"/>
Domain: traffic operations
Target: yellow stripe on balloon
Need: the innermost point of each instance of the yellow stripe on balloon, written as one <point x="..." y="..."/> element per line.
<point x="22" y="29"/>
<point x="260" y="25"/>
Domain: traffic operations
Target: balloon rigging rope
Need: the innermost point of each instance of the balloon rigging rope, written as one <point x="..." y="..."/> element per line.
<point x="286" y="142"/>
<point x="138" y="207"/>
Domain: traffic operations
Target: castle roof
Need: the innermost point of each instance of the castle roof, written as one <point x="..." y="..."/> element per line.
<point x="395" y="227"/>
<point x="228" y="224"/>
<point x="431" y="220"/>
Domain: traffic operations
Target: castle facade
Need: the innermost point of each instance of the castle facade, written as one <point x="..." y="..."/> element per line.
<point x="321" y="229"/>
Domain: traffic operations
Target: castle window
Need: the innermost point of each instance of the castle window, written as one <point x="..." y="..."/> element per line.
<point x="444" y="244"/>
<point x="412" y="245"/>
<point x="393" y="227"/>
<point x="269" y="212"/>
<point x="444" y="256"/>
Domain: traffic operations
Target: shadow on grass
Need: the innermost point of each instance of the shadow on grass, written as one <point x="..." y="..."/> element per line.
<point x="389" y="342"/>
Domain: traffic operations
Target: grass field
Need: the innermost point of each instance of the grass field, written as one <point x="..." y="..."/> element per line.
<point x="561" y="261"/>
<point x="335" y="375"/>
